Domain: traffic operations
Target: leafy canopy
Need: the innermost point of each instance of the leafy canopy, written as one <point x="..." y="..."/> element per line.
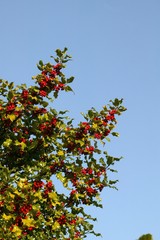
<point x="40" y="146"/>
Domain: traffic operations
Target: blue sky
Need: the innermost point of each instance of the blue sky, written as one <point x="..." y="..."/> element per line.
<point x="115" y="46"/>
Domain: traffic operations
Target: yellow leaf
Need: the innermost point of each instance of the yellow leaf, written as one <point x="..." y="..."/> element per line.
<point x="17" y="143"/>
<point x="38" y="195"/>
<point x="55" y="226"/>
<point x="35" y="207"/>
<point x="54" y="198"/>
<point x="6" y="217"/>
<point x="17" y="193"/>
<point x="28" y="222"/>
<point x="53" y="195"/>
<point x="46" y="145"/>
<point x="11" y="195"/>
<point x="60" y="153"/>
<point x="22" y="183"/>
<point x="60" y="177"/>
<point x="49" y="221"/>
<point x="12" y="117"/>
<point x="17" y="231"/>
<point x="18" y="108"/>
<point x="77" y="196"/>
<point x="7" y="143"/>
<point x="45" y="117"/>
<point x="95" y="126"/>
<point x="23" y="145"/>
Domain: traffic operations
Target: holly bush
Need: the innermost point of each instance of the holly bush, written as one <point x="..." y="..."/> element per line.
<point x="40" y="146"/>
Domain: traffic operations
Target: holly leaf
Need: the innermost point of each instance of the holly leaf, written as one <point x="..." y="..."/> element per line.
<point x="7" y="143"/>
<point x="55" y="226"/>
<point x="6" y="217"/>
<point x="17" y="231"/>
<point x="28" y="222"/>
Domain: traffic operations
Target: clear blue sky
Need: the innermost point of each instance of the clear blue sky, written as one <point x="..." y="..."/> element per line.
<point x="115" y="46"/>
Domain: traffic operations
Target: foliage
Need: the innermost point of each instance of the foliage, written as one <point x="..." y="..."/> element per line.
<point x="39" y="145"/>
<point x="146" y="237"/>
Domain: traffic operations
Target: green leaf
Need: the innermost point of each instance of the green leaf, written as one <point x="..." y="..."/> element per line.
<point x="53" y="111"/>
<point x="11" y="85"/>
<point x="40" y="68"/>
<point x="55" y="94"/>
<point x="63" y="112"/>
<point x="63" y="79"/>
<point x="68" y="89"/>
<point x="65" y="50"/>
<point x="90" y="113"/>
<point x="101" y="160"/>
<point x="59" y="53"/>
<point x="112" y="170"/>
<point x="110" y="160"/>
<point x="108" y="139"/>
<point x="69" y="80"/>
<point x="111" y="182"/>
<point x="117" y="102"/>
<point x="41" y="63"/>
<point x="115" y="134"/>
<point x="44" y="104"/>
<point x="10" y="95"/>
